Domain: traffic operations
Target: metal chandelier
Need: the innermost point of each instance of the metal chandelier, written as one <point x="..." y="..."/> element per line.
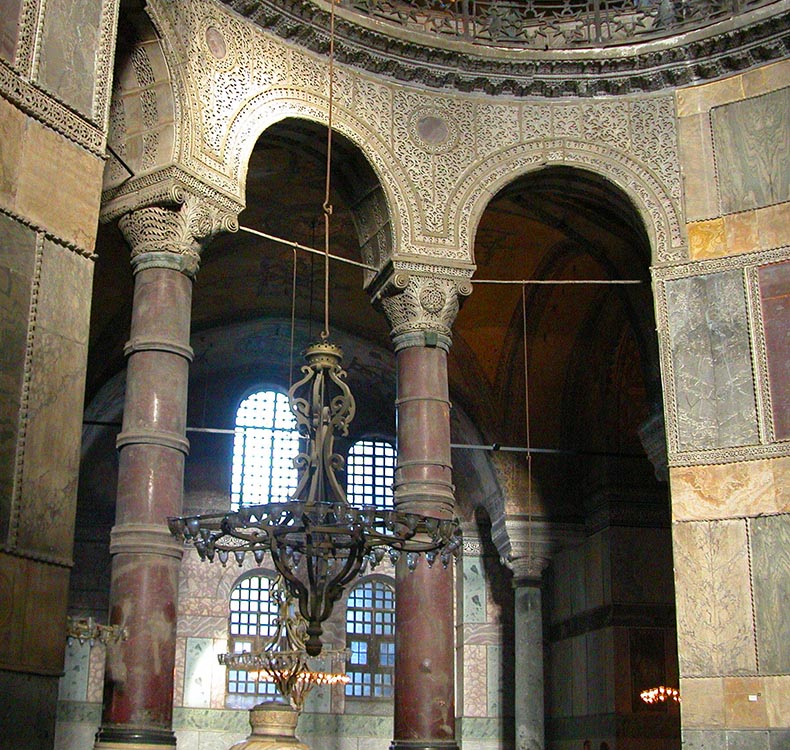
<point x="318" y="542"/>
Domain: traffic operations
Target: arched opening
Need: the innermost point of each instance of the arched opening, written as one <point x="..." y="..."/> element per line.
<point x="570" y="371"/>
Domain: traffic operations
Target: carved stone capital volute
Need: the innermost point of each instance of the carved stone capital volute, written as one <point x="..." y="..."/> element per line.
<point x="421" y="305"/>
<point x="173" y="236"/>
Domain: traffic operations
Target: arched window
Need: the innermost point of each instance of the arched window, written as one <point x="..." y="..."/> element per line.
<point x="370" y="639"/>
<point x="264" y="447"/>
<point x="252" y="621"/>
<point x="370" y="473"/>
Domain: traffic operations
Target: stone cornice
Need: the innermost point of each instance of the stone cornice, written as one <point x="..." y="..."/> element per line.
<point x="748" y="40"/>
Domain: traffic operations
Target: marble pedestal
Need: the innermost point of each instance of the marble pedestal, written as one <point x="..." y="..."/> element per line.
<point x="273" y="728"/>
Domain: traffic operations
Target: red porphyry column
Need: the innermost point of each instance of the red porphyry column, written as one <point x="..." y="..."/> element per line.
<point x="138" y="689"/>
<point x="421" y="315"/>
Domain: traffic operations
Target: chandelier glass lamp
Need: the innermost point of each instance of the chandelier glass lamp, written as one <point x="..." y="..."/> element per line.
<point x="318" y="541"/>
<point x="284" y="660"/>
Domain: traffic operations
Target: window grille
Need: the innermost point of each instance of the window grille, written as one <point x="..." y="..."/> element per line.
<point x="370" y="639"/>
<point x="264" y="446"/>
<point x="252" y="621"/>
<point x="370" y="473"/>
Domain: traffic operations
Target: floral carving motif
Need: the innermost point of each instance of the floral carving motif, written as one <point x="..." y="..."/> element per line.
<point x="180" y="233"/>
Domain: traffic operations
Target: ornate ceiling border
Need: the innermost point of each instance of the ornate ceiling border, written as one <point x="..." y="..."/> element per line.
<point x="757" y="37"/>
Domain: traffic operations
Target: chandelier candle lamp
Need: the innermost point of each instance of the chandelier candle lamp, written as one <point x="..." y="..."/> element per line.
<point x="318" y="541"/>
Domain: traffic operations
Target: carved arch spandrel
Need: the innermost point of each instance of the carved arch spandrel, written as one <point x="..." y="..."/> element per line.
<point x="653" y="201"/>
<point x="269" y="107"/>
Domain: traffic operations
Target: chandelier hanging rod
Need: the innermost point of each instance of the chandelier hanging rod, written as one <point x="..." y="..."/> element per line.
<point x="305" y="248"/>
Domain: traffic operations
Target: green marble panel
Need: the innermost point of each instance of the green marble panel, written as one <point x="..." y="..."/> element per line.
<point x="79" y="713"/>
<point x="770" y="538"/>
<point x="76" y="669"/>
<point x="474" y="589"/>
<point x="69" y="51"/>
<point x="9" y="28"/>
<point x="711" y="359"/>
<point x="17" y="261"/>
<point x="752" y="144"/>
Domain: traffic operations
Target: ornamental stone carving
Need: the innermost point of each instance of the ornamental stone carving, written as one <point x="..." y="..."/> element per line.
<point x="422" y="301"/>
<point x="173" y="237"/>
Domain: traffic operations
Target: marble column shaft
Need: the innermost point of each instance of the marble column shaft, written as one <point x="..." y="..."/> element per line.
<point x="138" y="690"/>
<point x="529" y="701"/>
<point x="152" y="444"/>
<point x="424" y="645"/>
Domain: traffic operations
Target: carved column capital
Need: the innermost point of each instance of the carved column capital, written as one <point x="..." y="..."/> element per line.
<point x="421" y="303"/>
<point x="173" y="236"/>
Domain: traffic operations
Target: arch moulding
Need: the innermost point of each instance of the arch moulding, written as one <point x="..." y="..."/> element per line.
<point x="657" y="208"/>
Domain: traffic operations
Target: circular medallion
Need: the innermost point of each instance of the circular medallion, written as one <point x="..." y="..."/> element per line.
<point x="216" y="43"/>
<point x="432" y="299"/>
<point x="432" y="129"/>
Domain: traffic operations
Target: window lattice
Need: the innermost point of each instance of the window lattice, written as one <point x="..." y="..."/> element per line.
<point x="370" y="638"/>
<point x="252" y="620"/>
<point x="264" y="446"/>
<point x="370" y="473"/>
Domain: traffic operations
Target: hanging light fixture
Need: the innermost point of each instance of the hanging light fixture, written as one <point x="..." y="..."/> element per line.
<point x="318" y="542"/>
<point x="284" y="660"/>
<point x="86" y="629"/>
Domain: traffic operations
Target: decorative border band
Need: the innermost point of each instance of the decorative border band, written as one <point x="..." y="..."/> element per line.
<point x="49" y="111"/>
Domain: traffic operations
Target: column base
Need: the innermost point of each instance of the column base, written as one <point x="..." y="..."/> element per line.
<point x="424" y="745"/>
<point x="122" y="738"/>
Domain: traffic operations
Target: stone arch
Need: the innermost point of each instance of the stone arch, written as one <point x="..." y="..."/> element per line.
<point x="391" y="208"/>
<point x="145" y="111"/>
<point x="650" y="197"/>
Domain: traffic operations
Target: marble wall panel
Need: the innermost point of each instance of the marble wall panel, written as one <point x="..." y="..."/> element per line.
<point x="703" y="702"/>
<point x="474" y="589"/>
<point x="76" y="670"/>
<point x="711" y="358"/>
<point x="579" y="675"/>
<point x="593" y="569"/>
<point x="713" y="600"/>
<point x="770" y="540"/>
<point x="67" y="287"/>
<point x="576" y="580"/>
<point x="744" y="702"/>
<point x="560" y="608"/>
<point x="17" y="259"/>
<point x="9" y="28"/>
<point x="561" y="690"/>
<point x="774" y="284"/>
<point x="696" y="154"/>
<point x="12" y="134"/>
<point x="49" y="484"/>
<point x="600" y="671"/>
<point x="777" y="700"/>
<point x="198" y="669"/>
<point x="752" y="144"/>
<point x="748" y="740"/>
<point x="96" y="674"/>
<point x="69" y="46"/>
<point x="703" y="739"/>
<point x="746" y="488"/>
<point x="641" y="566"/>
<point x="496" y="686"/>
<point x="50" y="164"/>
<point x="475" y="692"/>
